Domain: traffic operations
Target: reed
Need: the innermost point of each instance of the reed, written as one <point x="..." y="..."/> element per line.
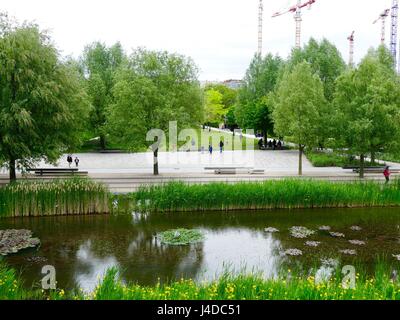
<point x="58" y="197"/>
<point x="283" y="194"/>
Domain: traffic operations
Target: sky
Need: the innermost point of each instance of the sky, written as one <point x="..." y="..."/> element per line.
<point x="219" y="35"/>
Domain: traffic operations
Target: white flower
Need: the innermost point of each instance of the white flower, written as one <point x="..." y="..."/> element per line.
<point x="356" y="228"/>
<point x="349" y="252"/>
<point x="312" y="243"/>
<point x="324" y="228"/>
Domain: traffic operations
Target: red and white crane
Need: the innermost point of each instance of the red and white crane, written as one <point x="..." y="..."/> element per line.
<point x="296" y="9"/>
<point x="383" y="16"/>
<point x="351" y="53"/>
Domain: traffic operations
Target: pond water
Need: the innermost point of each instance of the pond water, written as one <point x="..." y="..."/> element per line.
<point x="81" y="248"/>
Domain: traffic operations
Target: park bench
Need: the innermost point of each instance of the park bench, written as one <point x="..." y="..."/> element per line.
<point x="376" y="170"/>
<point x="57" y="172"/>
<point x="234" y="170"/>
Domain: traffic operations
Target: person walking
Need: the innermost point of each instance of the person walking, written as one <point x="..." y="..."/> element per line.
<point x="69" y="160"/>
<point x="210" y="149"/>
<point x="77" y="162"/>
<point x="221" y="146"/>
<point x="387" y="174"/>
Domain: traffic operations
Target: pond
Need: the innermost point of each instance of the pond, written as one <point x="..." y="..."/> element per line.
<point x="81" y="248"/>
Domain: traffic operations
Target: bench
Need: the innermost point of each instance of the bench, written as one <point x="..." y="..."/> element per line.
<point x="57" y="171"/>
<point x="234" y="170"/>
<point x="376" y="170"/>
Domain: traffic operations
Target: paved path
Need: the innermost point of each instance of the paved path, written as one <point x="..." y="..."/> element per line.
<point x="126" y="172"/>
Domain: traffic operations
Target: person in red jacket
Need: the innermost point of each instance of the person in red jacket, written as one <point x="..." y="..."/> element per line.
<point x="386" y="173"/>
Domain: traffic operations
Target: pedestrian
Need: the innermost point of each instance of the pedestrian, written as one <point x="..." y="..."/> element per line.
<point x="261" y="144"/>
<point x="210" y="149"/>
<point x="274" y="144"/>
<point x="387" y="174"/>
<point x="69" y="160"/>
<point x="279" y="145"/>
<point x="270" y="144"/>
<point x="77" y="162"/>
<point x="221" y="146"/>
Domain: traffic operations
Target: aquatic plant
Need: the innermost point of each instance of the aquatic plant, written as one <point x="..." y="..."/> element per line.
<point x="57" y="197"/>
<point x="180" y="237"/>
<point x="357" y="242"/>
<point x="12" y="241"/>
<point x="301" y="232"/>
<point x="271" y="230"/>
<point x="293" y="252"/>
<point x="312" y="244"/>
<point x="349" y="252"/>
<point x="324" y="228"/>
<point x="337" y="234"/>
<point x="356" y="228"/>
<point x="281" y="194"/>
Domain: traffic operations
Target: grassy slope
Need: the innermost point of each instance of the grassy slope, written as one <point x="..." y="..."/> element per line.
<point x="322" y="159"/>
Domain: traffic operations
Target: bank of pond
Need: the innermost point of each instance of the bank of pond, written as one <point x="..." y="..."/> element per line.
<point x="84" y="196"/>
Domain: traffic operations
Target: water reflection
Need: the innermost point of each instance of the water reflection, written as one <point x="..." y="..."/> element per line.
<point x="83" y="248"/>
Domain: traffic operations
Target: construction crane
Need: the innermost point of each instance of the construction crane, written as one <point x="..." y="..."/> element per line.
<point x="296" y="9"/>
<point x="351" y="53"/>
<point x="393" y="32"/>
<point x="383" y="17"/>
<point x="260" y="27"/>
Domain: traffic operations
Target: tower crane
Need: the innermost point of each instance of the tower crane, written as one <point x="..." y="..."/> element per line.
<point x="393" y="32"/>
<point x="296" y="9"/>
<point x="260" y="27"/>
<point x="383" y="17"/>
<point x="351" y="53"/>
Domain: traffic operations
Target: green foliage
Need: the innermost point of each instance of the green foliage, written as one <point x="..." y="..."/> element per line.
<point x="213" y="108"/>
<point x="228" y="287"/>
<point x="253" y="110"/>
<point x="59" y="197"/>
<point x="329" y="159"/>
<point x="180" y="237"/>
<point x="99" y="64"/>
<point x="43" y="107"/>
<point x="285" y="194"/>
<point x="325" y="61"/>
<point x="154" y="89"/>
<point x="367" y="103"/>
<point x="300" y="107"/>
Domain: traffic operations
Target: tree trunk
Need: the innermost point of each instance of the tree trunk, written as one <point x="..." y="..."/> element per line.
<point x="301" y="148"/>
<point x="362" y="166"/>
<point x="102" y="142"/>
<point x="373" y="157"/>
<point x="155" y="166"/>
<point x="13" y="174"/>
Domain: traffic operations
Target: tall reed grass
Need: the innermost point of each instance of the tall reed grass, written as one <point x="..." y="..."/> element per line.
<point x="284" y="194"/>
<point x="59" y="197"/>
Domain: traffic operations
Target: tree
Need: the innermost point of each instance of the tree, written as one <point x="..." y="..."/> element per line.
<point x="252" y="109"/>
<point x="213" y="108"/>
<point x="99" y="66"/>
<point x="325" y="60"/>
<point x="297" y="103"/>
<point x="154" y="89"/>
<point x="43" y="107"/>
<point x="367" y="102"/>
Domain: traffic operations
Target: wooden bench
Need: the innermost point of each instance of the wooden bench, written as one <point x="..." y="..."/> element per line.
<point x="376" y="170"/>
<point x="57" y="172"/>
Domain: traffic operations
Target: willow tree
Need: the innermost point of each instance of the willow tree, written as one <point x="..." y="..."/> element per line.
<point x="300" y="107"/>
<point x="42" y="104"/>
<point x="154" y="89"/>
<point x="367" y="101"/>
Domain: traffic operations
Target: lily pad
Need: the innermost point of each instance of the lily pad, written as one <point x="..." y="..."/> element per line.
<point x="271" y="230"/>
<point x="180" y="237"/>
<point x="357" y="242"/>
<point x="312" y="244"/>
<point x="337" y="234"/>
<point x="13" y="241"/>
<point x="293" y="252"/>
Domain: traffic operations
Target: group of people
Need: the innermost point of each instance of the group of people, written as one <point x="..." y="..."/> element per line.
<point x="271" y="144"/>
<point x="221" y="147"/>
<point x="70" y="160"/>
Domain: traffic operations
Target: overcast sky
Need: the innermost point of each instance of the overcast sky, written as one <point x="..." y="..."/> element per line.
<point x="220" y="35"/>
